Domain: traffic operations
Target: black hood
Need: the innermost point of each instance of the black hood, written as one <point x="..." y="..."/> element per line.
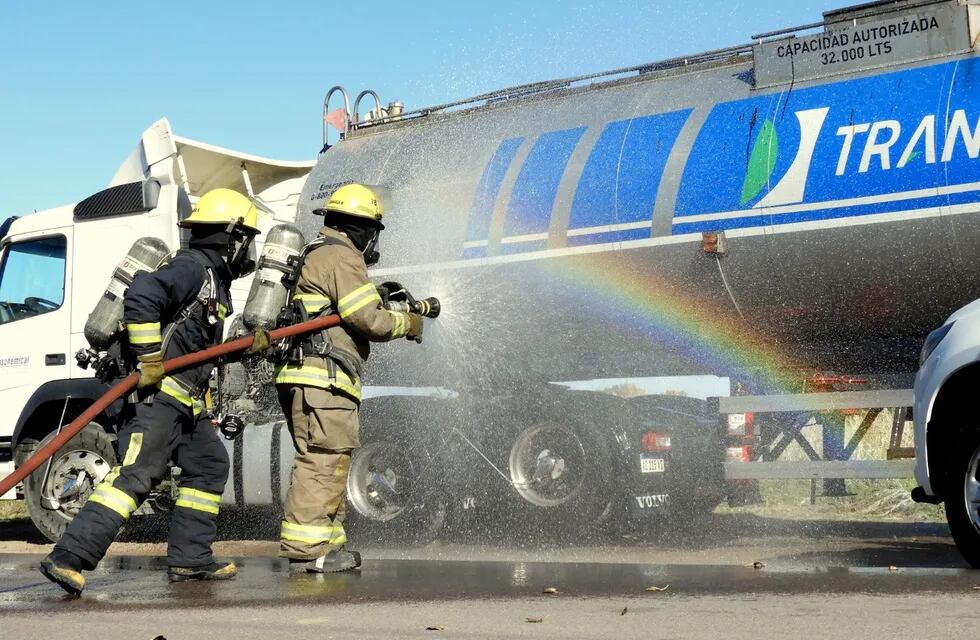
<point x="216" y="257"/>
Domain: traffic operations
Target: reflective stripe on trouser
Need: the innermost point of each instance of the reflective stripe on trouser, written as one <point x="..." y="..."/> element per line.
<point x="114" y="499"/>
<point x="181" y="393"/>
<point x="323" y="437"/>
<point x="310" y="376"/>
<point x="159" y="432"/>
<point x="200" y="500"/>
<point x="333" y="534"/>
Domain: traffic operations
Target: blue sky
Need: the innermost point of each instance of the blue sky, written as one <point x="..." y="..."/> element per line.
<point x="79" y="81"/>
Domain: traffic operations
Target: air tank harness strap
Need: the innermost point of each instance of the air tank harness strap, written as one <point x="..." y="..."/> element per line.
<point x="205" y="301"/>
<point x="320" y="343"/>
<point x="311" y="305"/>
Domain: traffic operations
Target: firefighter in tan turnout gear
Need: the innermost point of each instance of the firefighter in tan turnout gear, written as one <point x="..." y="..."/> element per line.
<point x="320" y="385"/>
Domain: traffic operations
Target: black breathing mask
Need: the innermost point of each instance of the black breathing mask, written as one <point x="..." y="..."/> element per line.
<point x="241" y="256"/>
<point x="371" y="252"/>
<point x="364" y="238"/>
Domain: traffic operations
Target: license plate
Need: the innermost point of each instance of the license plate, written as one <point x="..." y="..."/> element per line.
<point x="649" y="464"/>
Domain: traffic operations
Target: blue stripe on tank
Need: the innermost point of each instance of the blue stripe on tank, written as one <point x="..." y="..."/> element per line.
<point x="529" y="209"/>
<point x="620" y="179"/>
<point x="485" y="197"/>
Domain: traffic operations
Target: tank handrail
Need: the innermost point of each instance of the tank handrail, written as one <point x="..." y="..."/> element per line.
<point x="357" y="104"/>
<point x="326" y="109"/>
<point x="533" y="88"/>
<point x="787" y="30"/>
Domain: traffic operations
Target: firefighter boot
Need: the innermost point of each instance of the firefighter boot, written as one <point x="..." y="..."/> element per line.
<point x="65" y="570"/>
<point x="333" y="562"/>
<point x="213" y="571"/>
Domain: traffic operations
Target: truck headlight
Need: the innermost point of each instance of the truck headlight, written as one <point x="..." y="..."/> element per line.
<point x="932" y="341"/>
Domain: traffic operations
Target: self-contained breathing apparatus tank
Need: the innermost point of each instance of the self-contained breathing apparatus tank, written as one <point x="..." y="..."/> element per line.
<point x="105" y="321"/>
<point x="280" y="258"/>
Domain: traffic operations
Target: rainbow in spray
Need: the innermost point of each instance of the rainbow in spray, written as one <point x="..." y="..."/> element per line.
<point x="710" y="336"/>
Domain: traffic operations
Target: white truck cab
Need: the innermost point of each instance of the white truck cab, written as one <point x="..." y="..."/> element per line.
<point x="55" y="264"/>
<point x="947" y="432"/>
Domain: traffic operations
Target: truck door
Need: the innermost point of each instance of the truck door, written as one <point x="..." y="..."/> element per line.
<point x="34" y="317"/>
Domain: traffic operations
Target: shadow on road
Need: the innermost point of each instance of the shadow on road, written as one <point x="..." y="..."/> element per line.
<point x="20" y="530"/>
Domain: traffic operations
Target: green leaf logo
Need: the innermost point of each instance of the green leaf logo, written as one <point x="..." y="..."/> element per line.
<point x="762" y="161"/>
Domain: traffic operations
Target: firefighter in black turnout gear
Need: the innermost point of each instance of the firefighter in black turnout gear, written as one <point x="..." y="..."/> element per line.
<point x="177" y="309"/>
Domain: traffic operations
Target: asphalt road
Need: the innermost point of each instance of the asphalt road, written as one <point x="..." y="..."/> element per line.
<point x="839" y="581"/>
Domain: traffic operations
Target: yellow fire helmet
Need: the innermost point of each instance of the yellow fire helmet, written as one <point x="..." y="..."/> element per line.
<point x="221" y="206"/>
<point x="355" y="200"/>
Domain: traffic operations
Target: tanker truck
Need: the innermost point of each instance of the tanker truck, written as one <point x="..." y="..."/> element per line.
<point x="806" y="202"/>
<point x="726" y="219"/>
<point x="799" y="203"/>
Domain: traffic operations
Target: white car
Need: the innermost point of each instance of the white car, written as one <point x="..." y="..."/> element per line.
<point x="947" y="427"/>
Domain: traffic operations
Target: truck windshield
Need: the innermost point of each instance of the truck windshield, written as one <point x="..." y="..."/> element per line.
<point x="32" y="278"/>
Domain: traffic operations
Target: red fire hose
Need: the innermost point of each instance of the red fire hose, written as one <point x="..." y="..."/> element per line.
<point x="126" y="385"/>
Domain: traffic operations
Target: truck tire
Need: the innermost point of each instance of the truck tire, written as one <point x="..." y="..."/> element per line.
<point x="560" y="464"/>
<point x="76" y="469"/>
<point x="962" y="497"/>
<point x="393" y="489"/>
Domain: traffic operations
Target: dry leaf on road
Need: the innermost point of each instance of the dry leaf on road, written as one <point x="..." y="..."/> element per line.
<point x="535" y="620"/>
<point x="663" y="588"/>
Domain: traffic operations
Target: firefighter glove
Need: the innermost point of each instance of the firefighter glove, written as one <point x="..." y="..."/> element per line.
<point x="414" y="327"/>
<point x="261" y="341"/>
<point x="151" y="369"/>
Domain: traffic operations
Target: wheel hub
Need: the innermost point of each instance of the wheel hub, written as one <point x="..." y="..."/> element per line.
<point x="380" y="481"/>
<point x="547" y="465"/>
<point x="73" y="478"/>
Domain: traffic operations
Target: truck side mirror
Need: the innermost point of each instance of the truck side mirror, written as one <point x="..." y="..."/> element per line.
<point x="151" y="194"/>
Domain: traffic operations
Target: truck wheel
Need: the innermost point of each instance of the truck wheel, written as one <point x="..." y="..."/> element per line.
<point x="561" y="467"/>
<point x="387" y="498"/>
<point x="76" y="469"/>
<point x="962" y="499"/>
<point x="393" y="489"/>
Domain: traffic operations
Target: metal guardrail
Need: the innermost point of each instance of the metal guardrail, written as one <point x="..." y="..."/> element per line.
<point x="830" y="401"/>
<point x="820" y="470"/>
<point x="816" y="469"/>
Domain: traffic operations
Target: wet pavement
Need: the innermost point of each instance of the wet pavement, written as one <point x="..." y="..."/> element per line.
<point x="826" y="580"/>
<point x="124" y="583"/>
<point x="128" y="597"/>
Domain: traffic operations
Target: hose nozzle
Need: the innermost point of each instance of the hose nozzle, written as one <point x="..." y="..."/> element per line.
<point x="428" y="307"/>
